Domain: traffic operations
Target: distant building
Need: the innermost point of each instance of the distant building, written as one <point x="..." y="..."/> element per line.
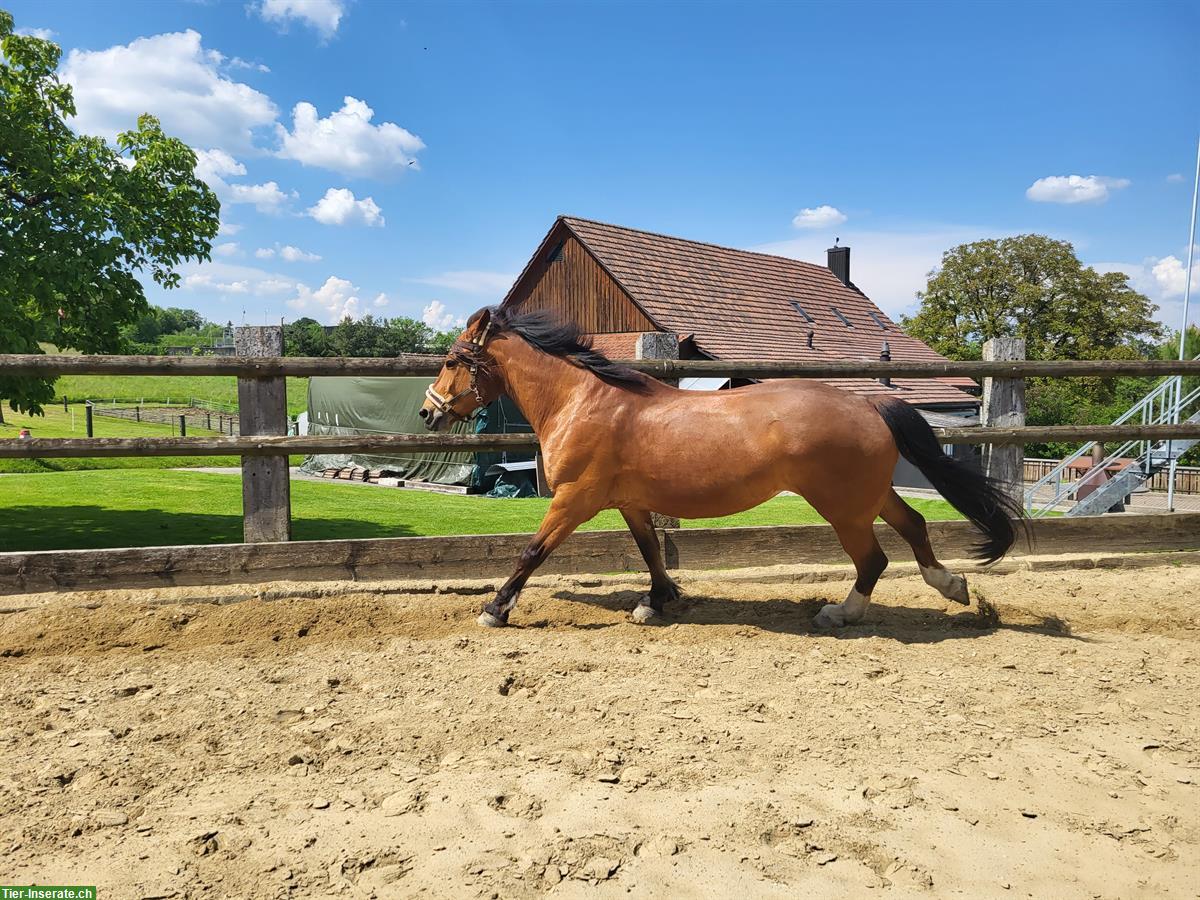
<point x="719" y="303"/>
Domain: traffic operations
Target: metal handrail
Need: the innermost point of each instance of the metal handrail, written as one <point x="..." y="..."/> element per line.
<point x="1167" y="394"/>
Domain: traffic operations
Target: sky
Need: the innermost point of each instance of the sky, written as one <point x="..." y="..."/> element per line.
<point x="399" y="158"/>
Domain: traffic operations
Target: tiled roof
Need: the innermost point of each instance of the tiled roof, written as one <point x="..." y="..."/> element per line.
<point x="616" y="344"/>
<point x="739" y="305"/>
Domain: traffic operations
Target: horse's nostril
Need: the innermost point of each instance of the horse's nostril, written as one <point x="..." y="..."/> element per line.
<point x="423" y="413"/>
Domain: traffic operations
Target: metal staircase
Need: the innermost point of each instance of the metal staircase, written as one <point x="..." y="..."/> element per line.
<point x="1164" y="405"/>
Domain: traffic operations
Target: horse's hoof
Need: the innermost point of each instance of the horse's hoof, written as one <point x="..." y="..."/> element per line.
<point x="830" y="616"/>
<point x="643" y="615"/>
<point x="957" y="590"/>
<point x="487" y="620"/>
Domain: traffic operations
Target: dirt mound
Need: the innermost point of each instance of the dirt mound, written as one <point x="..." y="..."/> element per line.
<point x="384" y="745"/>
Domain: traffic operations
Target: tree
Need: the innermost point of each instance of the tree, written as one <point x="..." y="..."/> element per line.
<point x="80" y="220"/>
<point x="1035" y="287"/>
<point x="1032" y="287"/>
<point x="305" y="337"/>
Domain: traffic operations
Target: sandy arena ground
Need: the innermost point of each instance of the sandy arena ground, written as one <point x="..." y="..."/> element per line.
<point x="372" y="745"/>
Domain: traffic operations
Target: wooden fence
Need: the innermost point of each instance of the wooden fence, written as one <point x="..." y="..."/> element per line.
<point x="264" y="445"/>
<point x="1187" y="478"/>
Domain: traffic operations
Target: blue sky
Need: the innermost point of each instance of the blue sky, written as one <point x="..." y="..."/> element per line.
<point x="406" y="158"/>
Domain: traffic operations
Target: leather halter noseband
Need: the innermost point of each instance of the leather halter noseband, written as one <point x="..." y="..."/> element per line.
<point x="445" y="405"/>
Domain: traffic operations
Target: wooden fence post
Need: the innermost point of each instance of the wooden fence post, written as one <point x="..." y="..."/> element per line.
<point x="262" y="409"/>
<point x="659" y="345"/>
<point x="87" y="414"/>
<point x="1004" y="407"/>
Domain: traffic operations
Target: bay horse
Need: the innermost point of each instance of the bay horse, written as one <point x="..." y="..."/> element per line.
<point x="613" y="438"/>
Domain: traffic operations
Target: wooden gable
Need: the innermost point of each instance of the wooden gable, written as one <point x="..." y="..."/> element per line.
<point x="563" y="276"/>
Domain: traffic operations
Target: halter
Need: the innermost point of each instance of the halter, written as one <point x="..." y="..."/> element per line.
<point x="445" y="405"/>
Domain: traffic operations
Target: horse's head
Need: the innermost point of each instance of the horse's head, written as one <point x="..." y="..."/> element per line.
<point x="468" y="380"/>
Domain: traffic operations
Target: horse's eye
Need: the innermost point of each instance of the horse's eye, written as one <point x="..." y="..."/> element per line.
<point x="451" y="363"/>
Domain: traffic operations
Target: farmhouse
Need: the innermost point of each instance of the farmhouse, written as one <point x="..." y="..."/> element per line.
<point x="650" y="295"/>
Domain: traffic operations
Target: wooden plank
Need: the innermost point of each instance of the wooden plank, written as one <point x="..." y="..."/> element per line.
<point x="1004" y="407"/>
<point x="48" y="364"/>
<point x="262" y="410"/>
<point x="246" y="445"/>
<point x="488" y="556"/>
<point x="482" y="556"/>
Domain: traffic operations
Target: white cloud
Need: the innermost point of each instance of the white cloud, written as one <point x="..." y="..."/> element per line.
<point x="222" y="278"/>
<point x="228" y="249"/>
<point x="266" y="198"/>
<point x="1074" y="188"/>
<point x="339" y="207"/>
<point x="323" y="16"/>
<point x="471" y="282"/>
<point x="287" y="252"/>
<point x="228" y="228"/>
<point x="819" y="217"/>
<point x="295" y="254"/>
<point x="1170" y="276"/>
<point x="44" y="33"/>
<point x="381" y="301"/>
<point x="215" y="166"/>
<point x="337" y="298"/>
<point x="176" y="79"/>
<point x="1174" y="178"/>
<point x="436" y="316"/>
<point x="238" y="63"/>
<point x="347" y="142"/>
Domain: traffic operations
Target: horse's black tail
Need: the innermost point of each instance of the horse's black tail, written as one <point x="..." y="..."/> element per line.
<point x="979" y="498"/>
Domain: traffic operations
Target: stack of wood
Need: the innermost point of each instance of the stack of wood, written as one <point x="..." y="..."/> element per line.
<point x="354" y="473"/>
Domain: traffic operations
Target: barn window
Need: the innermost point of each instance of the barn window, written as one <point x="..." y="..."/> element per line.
<point x="878" y="321"/>
<point x="803" y="314"/>
<point x="555" y="253"/>
<point x="837" y="312"/>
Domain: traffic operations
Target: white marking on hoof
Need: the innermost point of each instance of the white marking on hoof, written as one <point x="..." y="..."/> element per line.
<point x="951" y="586"/>
<point x="487" y="620"/>
<point x="643" y="614"/>
<point x="851" y="610"/>
<point x="831" y="616"/>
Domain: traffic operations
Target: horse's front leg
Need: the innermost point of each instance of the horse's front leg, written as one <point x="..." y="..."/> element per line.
<point x="662" y="586"/>
<point x="568" y="510"/>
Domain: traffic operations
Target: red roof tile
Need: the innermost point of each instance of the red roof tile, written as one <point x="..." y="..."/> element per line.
<point x="739" y="306"/>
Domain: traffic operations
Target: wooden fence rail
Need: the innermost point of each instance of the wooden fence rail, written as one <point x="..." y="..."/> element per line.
<point x="63" y="448"/>
<point x="264" y="446"/>
<point x="269" y="366"/>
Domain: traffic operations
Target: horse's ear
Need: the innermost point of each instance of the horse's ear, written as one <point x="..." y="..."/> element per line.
<point x="482" y="318"/>
<point x="484" y="324"/>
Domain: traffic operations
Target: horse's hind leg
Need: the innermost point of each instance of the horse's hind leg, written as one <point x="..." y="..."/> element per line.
<point x="662" y="587"/>
<point x="910" y="524"/>
<point x="859" y="541"/>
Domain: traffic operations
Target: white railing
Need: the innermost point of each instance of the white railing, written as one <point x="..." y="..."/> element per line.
<point x="1165" y="404"/>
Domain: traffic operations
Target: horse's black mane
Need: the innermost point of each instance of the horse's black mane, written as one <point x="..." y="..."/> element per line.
<point x="550" y="334"/>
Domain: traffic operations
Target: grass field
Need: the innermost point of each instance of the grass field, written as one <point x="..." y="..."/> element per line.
<point x="161" y="388"/>
<point x="76" y="510"/>
<point x="59" y="424"/>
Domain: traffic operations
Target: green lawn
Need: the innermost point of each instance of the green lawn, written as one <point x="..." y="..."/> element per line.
<point x="161" y="388"/>
<point x="76" y="510"/>
<point x="59" y="424"/>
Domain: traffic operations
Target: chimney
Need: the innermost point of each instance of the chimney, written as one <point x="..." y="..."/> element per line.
<point x="885" y="355"/>
<point x="839" y="262"/>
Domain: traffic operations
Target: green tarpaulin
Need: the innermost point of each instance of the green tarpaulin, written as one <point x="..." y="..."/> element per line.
<point x="348" y="406"/>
